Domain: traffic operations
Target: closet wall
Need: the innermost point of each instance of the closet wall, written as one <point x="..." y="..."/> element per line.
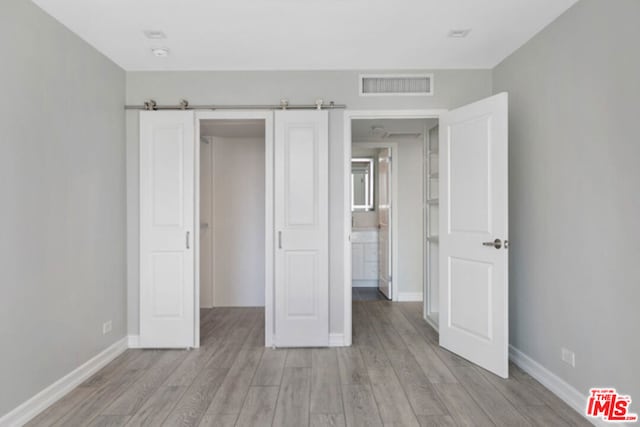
<point x="233" y="222"/>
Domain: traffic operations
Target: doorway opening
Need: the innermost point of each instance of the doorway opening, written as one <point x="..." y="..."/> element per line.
<point x="232" y="207"/>
<point x="469" y="208"/>
<point x="387" y="240"/>
<point x="234" y="210"/>
<point x="391" y="183"/>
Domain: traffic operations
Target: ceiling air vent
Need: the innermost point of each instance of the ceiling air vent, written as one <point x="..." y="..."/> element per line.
<point x="403" y="135"/>
<point x="396" y="85"/>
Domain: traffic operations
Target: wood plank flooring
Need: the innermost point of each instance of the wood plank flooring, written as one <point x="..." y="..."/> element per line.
<point x="394" y="375"/>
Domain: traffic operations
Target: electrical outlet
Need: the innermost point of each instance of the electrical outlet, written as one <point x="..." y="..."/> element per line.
<point x="569" y="357"/>
<point x="106" y="327"/>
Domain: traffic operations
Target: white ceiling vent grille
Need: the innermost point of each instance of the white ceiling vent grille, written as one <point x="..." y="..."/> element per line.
<point x="403" y="135"/>
<point x="396" y="85"/>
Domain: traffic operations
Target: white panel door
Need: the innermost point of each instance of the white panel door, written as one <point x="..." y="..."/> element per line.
<point x="473" y="231"/>
<point x="384" y="223"/>
<point x="302" y="225"/>
<point x="167" y="203"/>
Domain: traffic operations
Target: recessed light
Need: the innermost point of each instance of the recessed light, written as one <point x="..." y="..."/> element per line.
<point x="155" y="34"/>
<point x="160" y="52"/>
<point x="459" y="33"/>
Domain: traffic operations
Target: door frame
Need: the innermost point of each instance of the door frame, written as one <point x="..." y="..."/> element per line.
<point x="393" y="148"/>
<point x="269" y="305"/>
<point x="211" y="284"/>
<point x="350" y="115"/>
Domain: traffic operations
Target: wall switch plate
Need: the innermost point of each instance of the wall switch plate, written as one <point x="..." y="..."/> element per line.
<point x="106" y="327"/>
<point x="569" y="357"/>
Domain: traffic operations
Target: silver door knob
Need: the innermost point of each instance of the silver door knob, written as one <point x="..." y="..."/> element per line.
<point x="496" y="243"/>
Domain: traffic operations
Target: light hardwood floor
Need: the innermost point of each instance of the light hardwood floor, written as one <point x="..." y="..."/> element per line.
<point x="394" y="374"/>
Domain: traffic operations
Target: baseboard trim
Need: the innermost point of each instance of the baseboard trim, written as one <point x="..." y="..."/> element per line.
<point x="409" y="296"/>
<point x="133" y="341"/>
<point x="41" y="401"/>
<point x="336" y="340"/>
<point x="566" y="392"/>
<point x="364" y="284"/>
<point x="432" y="323"/>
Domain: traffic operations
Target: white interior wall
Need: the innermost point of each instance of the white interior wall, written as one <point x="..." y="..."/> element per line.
<point x="62" y="180"/>
<point x="574" y="199"/>
<point x="410" y="219"/>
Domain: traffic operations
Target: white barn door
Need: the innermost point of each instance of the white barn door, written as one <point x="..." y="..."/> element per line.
<point x="474" y="279"/>
<point x="302" y="229"/>
<point x="167" y="202"/>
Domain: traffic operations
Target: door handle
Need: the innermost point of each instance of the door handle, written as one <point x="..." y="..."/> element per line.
<point x="279" y="239"/>
<point x="187" y="238"/>
<point x="496" y="243"/>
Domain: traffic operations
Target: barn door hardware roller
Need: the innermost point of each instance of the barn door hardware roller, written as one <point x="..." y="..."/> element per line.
<point x="319" y="104"/>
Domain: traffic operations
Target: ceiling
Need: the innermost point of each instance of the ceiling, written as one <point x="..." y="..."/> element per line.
<point x="306" y="34"/>
<point x="382" y="130"/>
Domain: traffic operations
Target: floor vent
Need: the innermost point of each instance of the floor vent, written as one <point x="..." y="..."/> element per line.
<point x="396" y="85"/>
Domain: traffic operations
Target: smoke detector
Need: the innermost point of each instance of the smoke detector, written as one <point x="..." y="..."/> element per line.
<point x="403" y="135"/>
<point x="155" y="34"/>
<point x="160" y="52"/>
<point x="459" y="33"/>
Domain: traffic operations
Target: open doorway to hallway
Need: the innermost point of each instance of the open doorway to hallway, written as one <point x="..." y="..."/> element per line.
<point x="389" y="209"/>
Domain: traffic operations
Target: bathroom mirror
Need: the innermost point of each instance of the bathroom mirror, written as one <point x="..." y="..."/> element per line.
<point x="362" y="184"/>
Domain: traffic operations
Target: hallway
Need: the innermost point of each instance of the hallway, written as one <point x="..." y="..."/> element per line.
<point x="393" y="374"/>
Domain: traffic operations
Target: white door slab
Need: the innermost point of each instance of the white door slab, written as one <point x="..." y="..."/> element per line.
<point x="474" y="280"/>
<point x="302" y="227"/>
<point x="167" y="203"/>
<point x="385" y="278"/>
